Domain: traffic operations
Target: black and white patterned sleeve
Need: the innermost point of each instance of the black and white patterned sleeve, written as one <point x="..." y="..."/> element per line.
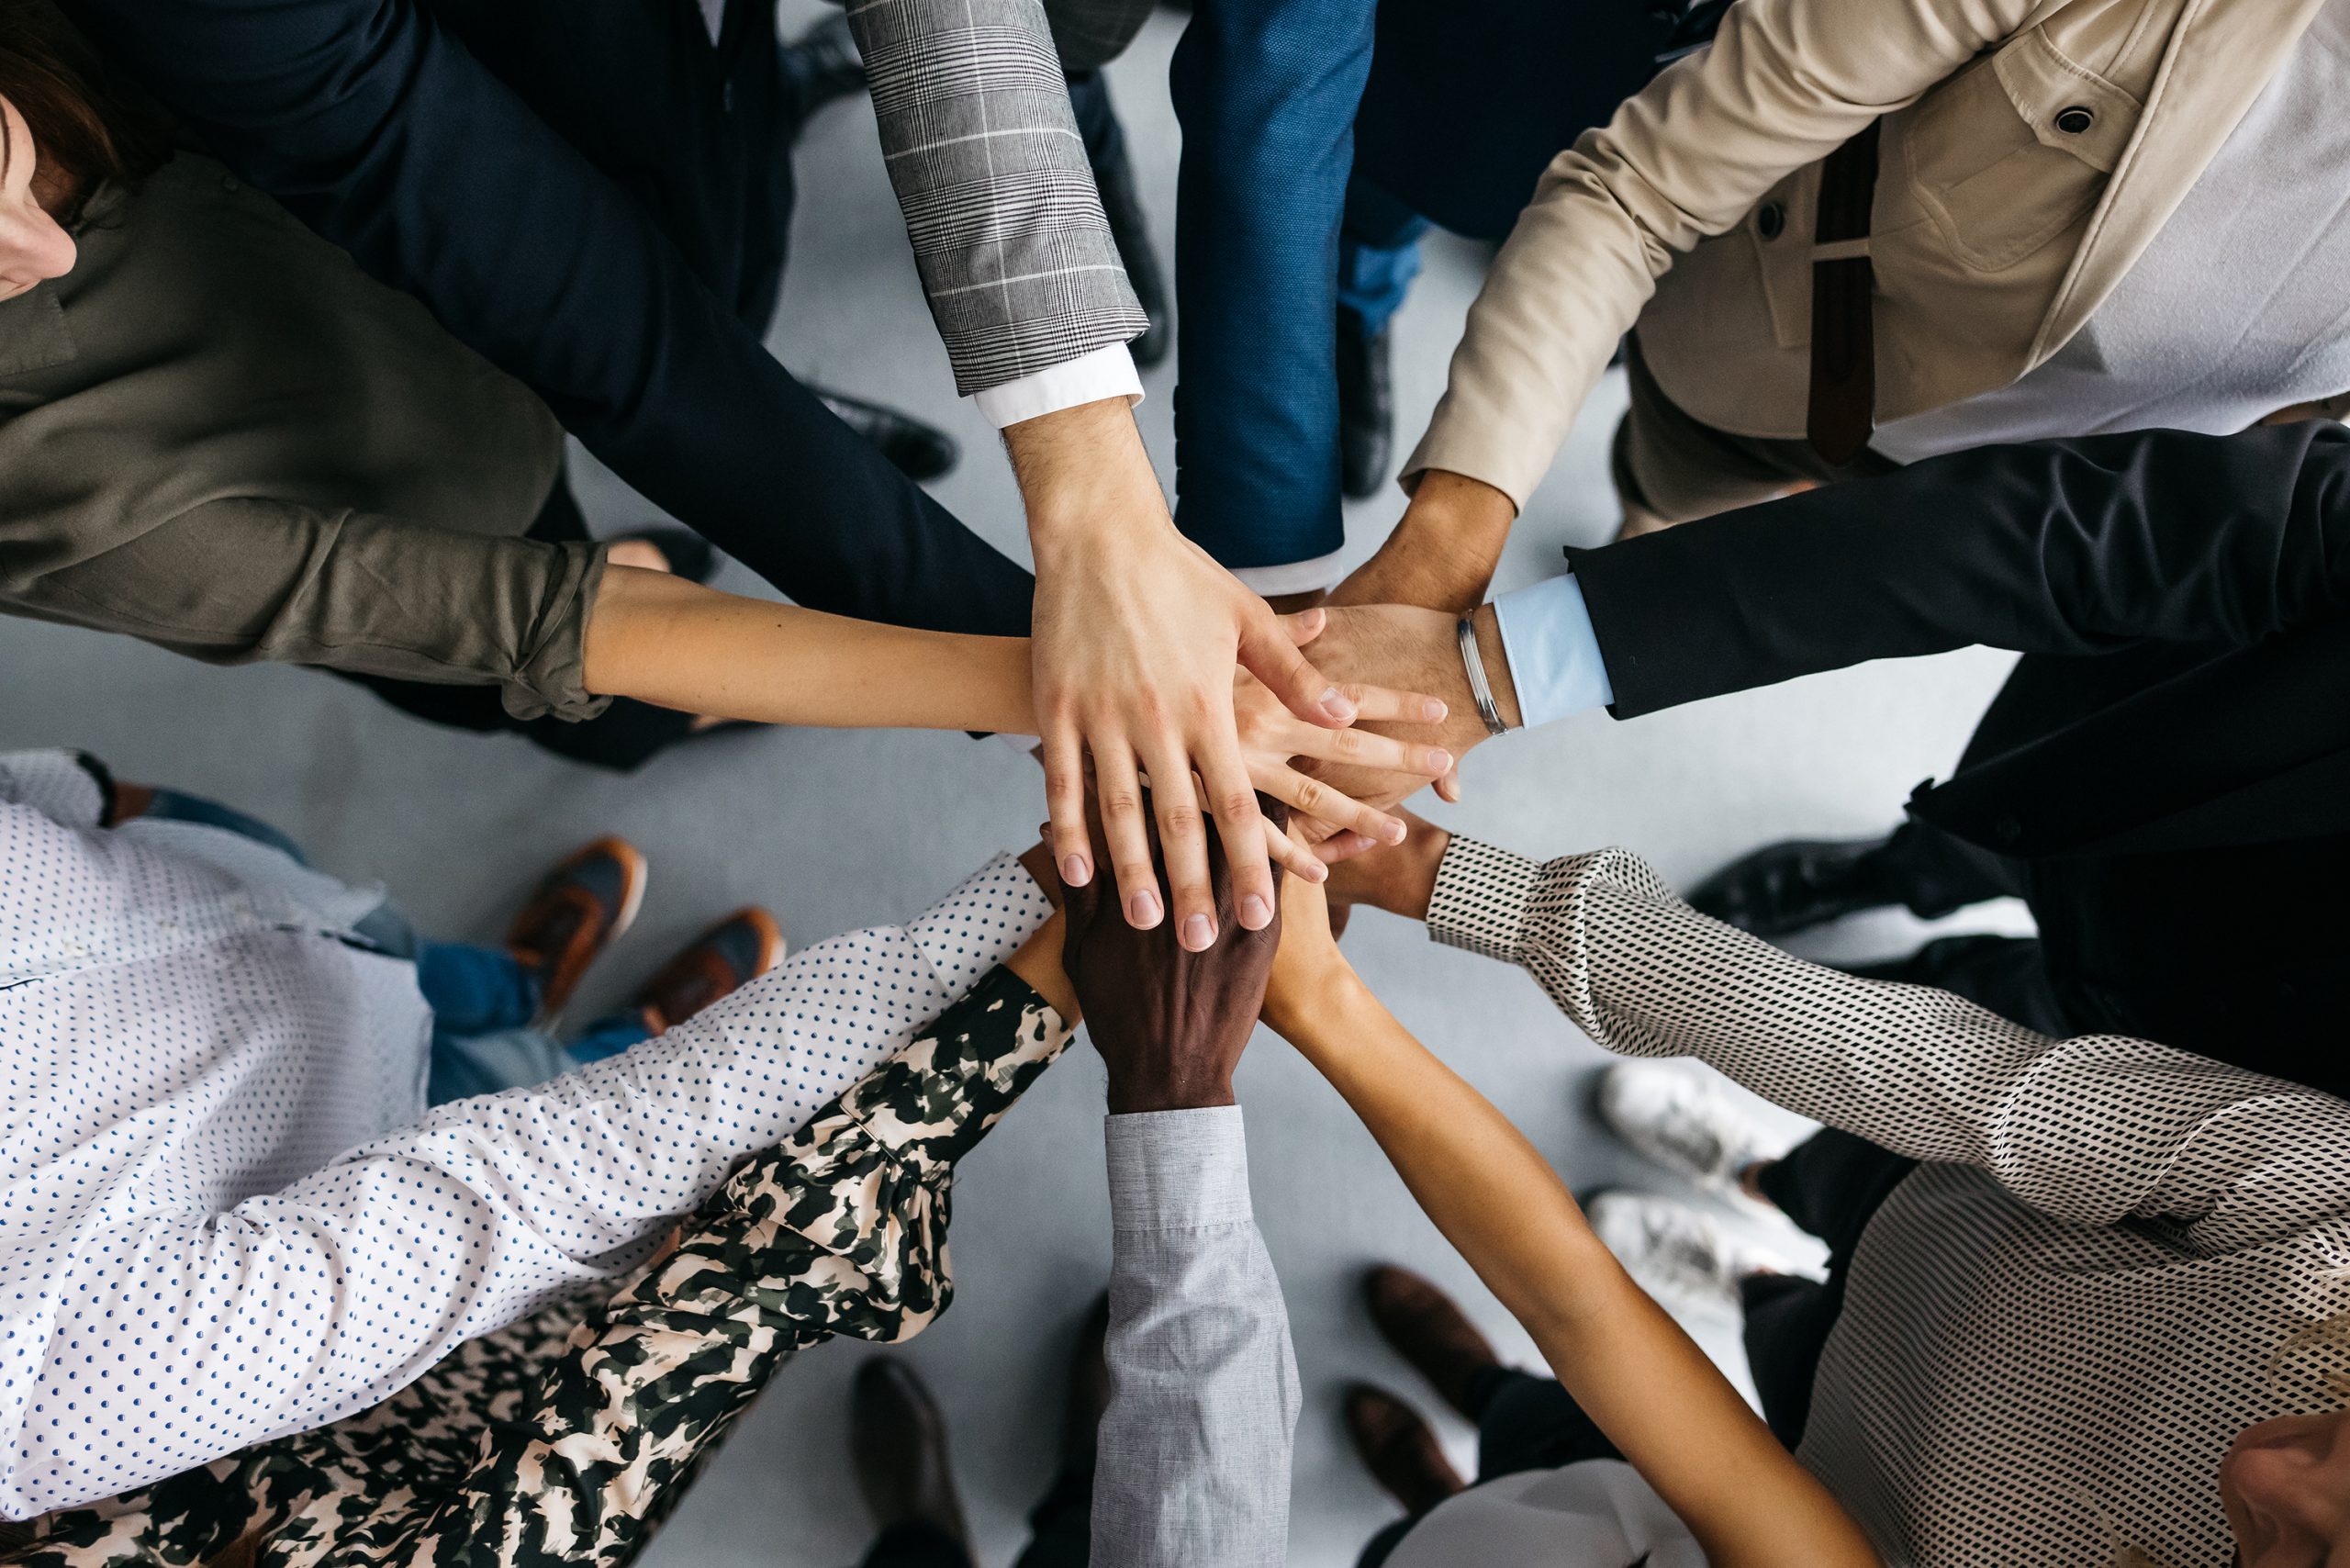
<point x="982" y="148"/>
<point x="2094" y="1129"/>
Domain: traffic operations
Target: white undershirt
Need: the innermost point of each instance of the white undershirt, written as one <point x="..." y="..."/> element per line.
<point x="2239" y="307"/>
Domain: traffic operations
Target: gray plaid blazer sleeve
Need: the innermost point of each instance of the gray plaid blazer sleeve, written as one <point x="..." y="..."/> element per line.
<point x="983" y="151"/>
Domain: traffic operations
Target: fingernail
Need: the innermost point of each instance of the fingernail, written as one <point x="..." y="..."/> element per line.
<point x="1142" y="910"/>
<point x="1393" y="832"/>
<point x="1337" y="706"/>
<point x="1433" y="710"/>
<point x="1075" y="872"/>
<point x="1438" y="760"/>
<point x="1254" y="912"/>
<point x="1199" y="933"/>
<point x="1316" y="872"/>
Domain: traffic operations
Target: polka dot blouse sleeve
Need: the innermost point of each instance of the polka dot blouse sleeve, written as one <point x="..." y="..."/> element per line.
<point x="174" y="1340"/>
<point x="2095" y="1129"/>
<point x="62" y="785"/>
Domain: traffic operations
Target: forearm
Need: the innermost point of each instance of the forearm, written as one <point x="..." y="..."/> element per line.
<point x="662" y="640"/>
<point x="1923" y="1073"/>
<point x="1442" y="554"/>
<point x="1640" y="1378"/>
<point x="1267" y="96"/>
<point x="2075" y="547"/>
<point x="1194" y="1449"/>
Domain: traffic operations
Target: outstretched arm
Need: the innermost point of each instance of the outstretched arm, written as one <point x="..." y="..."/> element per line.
<point x="664" y="640"/>
<point x="1645" y="1383"/>
<point x="1194" y="1449"/>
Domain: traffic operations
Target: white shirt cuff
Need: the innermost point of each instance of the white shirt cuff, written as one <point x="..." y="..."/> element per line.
<point x="1295" y="577"/>
<point x="1107" y="372"/>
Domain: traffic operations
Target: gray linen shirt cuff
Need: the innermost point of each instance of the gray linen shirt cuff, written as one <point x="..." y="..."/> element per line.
<point x="1178" y="1169"/>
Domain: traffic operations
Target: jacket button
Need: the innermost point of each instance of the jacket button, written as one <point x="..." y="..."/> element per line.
<point x="1771" y="219"/>
<point x="2077" y="119"/>
<point x="2007" y="829"/>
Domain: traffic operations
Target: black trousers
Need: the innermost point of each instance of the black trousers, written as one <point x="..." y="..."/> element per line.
<point x="2241" y="954"/>
<point x="699" y="132"/>
<point x="1060" y="1534"/>
<point x="1831" y="1184"/>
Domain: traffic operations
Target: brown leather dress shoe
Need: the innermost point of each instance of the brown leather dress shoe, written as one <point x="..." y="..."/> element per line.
<point x="724" y="958"/>
<point x="1400" y="1449"/>
<point x="578" y="911"/>
<point x="1429" y="1331"/>
<point x="897" y="1443"/>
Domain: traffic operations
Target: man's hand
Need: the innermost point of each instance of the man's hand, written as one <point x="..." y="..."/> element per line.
<point x="1441" y="554"/>
<point x="1398" y="645"/>
<point x="1170" y="1023"/>
<point x="1136" y="636"/>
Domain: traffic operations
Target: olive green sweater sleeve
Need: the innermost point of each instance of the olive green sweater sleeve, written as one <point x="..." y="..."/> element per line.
<point x="247" y="580"/>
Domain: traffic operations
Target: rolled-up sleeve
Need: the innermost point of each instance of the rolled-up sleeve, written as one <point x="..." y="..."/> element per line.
<point x="251" y="580"/>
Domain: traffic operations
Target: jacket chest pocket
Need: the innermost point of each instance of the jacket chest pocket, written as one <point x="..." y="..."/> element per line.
<point x="2013" y="151"/>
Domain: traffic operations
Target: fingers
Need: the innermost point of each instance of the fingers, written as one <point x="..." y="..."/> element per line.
<point x="1340" y="848"/>
<point x="1232" y="799"/>
<point x="1305" y="625"/>
<point x="1065" y="801"/>
<point x="1118" y="791"/>
<point x="1380" y="703"/>
<point x="1268" y="651"/>
<point x="1448" y="787"/>
<point x="1300" y="860"/>
<point x="1184" y="841"/>
<point x="1313" y="798"/>
<point x="1362" y="748"/>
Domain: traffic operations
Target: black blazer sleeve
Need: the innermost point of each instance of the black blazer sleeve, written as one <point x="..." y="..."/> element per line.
<point x="2082" y="546"/>
<point x="381" y="131"/>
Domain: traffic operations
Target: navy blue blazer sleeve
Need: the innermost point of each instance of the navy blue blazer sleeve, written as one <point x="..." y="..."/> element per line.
<point x="2069" y="547"/>
<point x="377" y="129"/>
<point x="1267" y="93"/>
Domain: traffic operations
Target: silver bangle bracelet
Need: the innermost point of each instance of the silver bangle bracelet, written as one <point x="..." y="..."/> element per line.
<point x="1480" y="688"/>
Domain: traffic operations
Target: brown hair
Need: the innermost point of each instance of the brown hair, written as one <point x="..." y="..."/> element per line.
<point x="88" y="131"/>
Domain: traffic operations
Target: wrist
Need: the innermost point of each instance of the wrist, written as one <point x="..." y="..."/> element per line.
<point x="1133" y="1094"/>
<point x="1442" y="552"/>
<point x="1081" y="471"/>
<point x="1493" y="653"/>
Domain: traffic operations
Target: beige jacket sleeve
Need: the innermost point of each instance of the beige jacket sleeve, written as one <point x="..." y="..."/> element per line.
<point x="1785" y="82"/>
<point x="244" y="581"/>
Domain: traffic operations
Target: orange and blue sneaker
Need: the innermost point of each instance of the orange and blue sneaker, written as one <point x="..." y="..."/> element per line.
<point x="723" y="959"/>
<point x="584" y="904"/>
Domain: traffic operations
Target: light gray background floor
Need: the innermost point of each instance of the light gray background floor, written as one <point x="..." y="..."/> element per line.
<point x="836" y="830"/>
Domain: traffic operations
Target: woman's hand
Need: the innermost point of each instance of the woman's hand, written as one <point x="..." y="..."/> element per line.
<point x="1271" y="738"/>
<point x="1309" y="969"/>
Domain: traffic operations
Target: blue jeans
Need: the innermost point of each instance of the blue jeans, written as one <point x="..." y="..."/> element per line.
<point x="484" y="1004"/>
<point x="484" y="1007"/>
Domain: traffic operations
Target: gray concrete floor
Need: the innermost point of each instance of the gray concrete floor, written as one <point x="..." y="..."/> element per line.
<point x="836" y="831"/>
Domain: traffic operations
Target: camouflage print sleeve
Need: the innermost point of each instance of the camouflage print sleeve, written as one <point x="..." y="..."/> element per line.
<point x="527" y="1449"/>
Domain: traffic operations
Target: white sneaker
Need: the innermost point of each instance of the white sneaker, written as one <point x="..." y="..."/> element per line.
<point x="1684" y="1122"/>
<point x="1676" y="1250"/>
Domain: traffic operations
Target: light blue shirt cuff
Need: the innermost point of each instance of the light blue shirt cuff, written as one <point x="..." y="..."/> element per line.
<point x="1553" y="653"/>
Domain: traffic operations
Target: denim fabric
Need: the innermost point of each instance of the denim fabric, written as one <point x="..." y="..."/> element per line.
<point x="1379" y="254"/>
<point x="171" y="806"/>
<point x="484" y="1004"/>
<point x="1266" y="94"/>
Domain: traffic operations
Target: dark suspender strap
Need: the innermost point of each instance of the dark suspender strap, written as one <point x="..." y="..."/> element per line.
<point x="1843" y="337"/>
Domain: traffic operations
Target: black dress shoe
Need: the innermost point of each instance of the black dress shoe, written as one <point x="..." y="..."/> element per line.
<point x="897" y="1443"/>
<point x="1366" y="409"/>
<point x="1794" y="886"/>
<point x="821" y="66"/>
<point x="918" y="450"/>
<point x="1122" y="205"/>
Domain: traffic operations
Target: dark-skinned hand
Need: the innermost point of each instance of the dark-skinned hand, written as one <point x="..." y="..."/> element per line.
<point x="1170" y="1025"/>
